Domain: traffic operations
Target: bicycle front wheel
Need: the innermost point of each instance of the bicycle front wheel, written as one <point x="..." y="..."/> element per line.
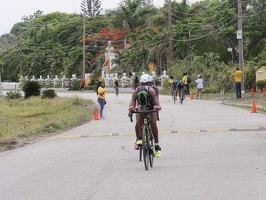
<point x="145" y="148"/>
<point x="146" y="157"/>
<point x="140" y="152"/>
<point x="182" y="97"/>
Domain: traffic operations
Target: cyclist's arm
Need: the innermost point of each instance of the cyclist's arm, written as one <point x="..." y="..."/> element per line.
<point x="152" y="93"/>
<point x="157" y="92"/>
<point x="132" y="103"/>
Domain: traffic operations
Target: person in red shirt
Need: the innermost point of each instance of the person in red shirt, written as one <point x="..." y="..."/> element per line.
<point x="81" y="85"/>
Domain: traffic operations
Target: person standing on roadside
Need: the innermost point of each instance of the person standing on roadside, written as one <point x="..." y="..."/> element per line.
<point x="199" y="82"/>
<point x="81" y="85"/>
<point x="101" y="97"/>
<point x="238" y="76"/>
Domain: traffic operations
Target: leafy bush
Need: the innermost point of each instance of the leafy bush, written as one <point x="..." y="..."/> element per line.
<point x="31" y="88"/>
<point x="260" y="85"/>
<point x="48" y="94"/>
<point x="93" y="84"/>
<point x="74" y="85"/>
<point x="13" y="95"/>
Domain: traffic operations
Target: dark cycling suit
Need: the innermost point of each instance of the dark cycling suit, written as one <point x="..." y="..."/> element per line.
<point x="151" y="103"/>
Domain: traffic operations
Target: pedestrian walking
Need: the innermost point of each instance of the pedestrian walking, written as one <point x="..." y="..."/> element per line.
<point x="238" y="76"/>
<point x="199" y="82"/>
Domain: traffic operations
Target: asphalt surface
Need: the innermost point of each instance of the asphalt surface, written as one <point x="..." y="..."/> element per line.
<point x="193" y="116"/>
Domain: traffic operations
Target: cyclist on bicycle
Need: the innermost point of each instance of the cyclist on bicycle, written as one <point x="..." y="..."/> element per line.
<point x="170" y="82"/>
<point x="153" y="104"/>
<point x="175" y="85"/>
<point x="185" y="82"/>
<point x="116" y="87"/>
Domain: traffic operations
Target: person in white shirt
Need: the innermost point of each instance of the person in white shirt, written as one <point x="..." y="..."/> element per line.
<point x="199" y="82"/>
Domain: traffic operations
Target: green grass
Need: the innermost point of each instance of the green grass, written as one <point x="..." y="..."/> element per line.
<point x="26" y="118"/>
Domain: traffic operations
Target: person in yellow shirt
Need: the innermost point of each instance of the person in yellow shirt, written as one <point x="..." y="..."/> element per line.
<point x="101" y="97"/>
<point x="238" y="76"/>
<point x="184" y="80"/>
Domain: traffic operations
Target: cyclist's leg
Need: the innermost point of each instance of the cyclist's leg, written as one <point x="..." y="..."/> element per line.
<point x="154" y="127"/>
<point x="136" y="145"/>
<point x="139" y="121"/>
<point x="200" y="93"/>
<point x="155" y="134"/>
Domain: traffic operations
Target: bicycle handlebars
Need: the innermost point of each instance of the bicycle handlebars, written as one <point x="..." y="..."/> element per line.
<point x="143" y="111"/>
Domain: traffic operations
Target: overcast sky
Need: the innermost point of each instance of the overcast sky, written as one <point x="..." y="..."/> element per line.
<point x="12" y="11"/>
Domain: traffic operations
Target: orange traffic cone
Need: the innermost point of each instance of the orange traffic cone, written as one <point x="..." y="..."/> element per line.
<point x="264" y="92"/>
<point x="253" y="109"/>
<point x="252" y="91"/>
<point x="191" y="96"/>
<point x="96" y="114"/>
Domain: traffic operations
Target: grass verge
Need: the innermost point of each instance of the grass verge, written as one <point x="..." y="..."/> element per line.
<point x="24" y="121"/>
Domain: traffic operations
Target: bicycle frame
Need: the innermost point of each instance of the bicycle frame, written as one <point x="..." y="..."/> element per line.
<point x="182" y="94"/>
<point x="175" y="95"/>
<point x="116" y="90"/>
<point x="147" y="147"/>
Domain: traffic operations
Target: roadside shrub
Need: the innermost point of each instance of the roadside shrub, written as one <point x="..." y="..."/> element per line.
<point x="74" y="85"/>
<point x="260" y="85"/>
<point x="93" y="84"/>
<point x="48" y="94"/>
<point x="13" y="95"/>
<point x="31" y="88"/>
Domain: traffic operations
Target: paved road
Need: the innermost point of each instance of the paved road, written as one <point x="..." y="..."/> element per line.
<point x="209" y="151"/>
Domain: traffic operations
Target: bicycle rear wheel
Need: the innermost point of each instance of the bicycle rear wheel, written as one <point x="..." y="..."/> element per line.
<point x="175" y="97"/>
<point x="151" y="150"/>
<point x="182" y="97"/>
<point x="140" y="152"/>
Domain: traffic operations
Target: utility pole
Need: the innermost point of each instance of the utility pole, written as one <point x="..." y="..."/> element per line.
<point x="20" y="52"/>
<point x="169" y="35"/>
<point x="240" y="44"/>
<point x="1" y="83"/>
<point x="84" y="52"/>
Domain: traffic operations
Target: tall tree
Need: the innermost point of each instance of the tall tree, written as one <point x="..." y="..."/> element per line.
<point x="91" y="7"/>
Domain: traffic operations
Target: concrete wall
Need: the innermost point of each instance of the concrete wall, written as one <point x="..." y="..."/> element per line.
<point x="10" y="85"/>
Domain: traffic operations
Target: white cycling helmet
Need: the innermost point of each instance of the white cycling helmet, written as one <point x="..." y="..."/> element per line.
<point x="145" y="78"/>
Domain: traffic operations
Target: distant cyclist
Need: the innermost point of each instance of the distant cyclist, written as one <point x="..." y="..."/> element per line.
<point x="184" y="80"/>
<point x="150" y="102"/>
<point x="170" y="81"/>
<point x="116" y="87"/>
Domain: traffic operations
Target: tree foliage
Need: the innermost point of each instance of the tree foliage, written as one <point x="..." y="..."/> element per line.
<point x="51" y="44"/>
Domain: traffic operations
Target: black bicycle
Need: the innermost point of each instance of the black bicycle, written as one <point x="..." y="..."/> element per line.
<point x="182" y="94"/>
<point x="175" y="95"/>
<point x="116" y="90"/>
<point x="146" y="150"/>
